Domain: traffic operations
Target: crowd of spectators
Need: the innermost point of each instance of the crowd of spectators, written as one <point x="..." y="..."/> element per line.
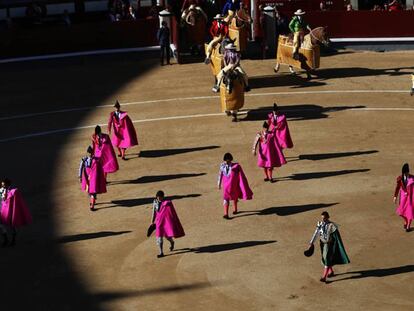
<point x="120" y="10"/>
<point x="384" y="5"/>
<point x="372" y="5"/>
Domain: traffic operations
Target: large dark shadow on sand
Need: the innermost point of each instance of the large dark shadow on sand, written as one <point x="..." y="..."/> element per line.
<point x="35" y="274"/>
<point x="349" y="72"/>
<point x="293" y="80"/>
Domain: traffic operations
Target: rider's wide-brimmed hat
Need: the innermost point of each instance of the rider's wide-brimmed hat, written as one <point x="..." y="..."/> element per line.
<point x="230" y="46"/>
<point x="218" y="16"/>
<point x="299" y="12"/>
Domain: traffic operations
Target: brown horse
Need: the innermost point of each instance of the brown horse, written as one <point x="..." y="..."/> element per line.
<point x="195" y="23"/>
<point x="239" y="28"/>
<point x="308" y="53"/>
<point x="243" y="19"/>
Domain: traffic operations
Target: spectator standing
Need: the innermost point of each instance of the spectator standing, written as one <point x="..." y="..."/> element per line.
<point x="163" y="37"/>
<point x="66" y="18"/>
<point x="131" y="14"/>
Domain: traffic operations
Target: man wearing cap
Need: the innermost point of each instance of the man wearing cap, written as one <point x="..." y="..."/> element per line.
<point x="231" y="61"/>
<point x="297" y="26"/>
<point x="218" y="30"/>
<point x="163" y="36"/>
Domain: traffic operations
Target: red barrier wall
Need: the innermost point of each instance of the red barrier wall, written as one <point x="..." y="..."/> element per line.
<point x="364" y="24"/>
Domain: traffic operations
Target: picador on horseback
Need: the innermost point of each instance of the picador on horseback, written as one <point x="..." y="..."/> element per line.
<point x="218" y="30"/>
<point x="231" y="70"/>
<point x="298" y="26"/>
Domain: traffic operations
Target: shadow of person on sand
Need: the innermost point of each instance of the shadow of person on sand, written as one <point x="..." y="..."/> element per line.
<point x="218" y="248"/>
<point x="318" y="175"/>
<point x="379" y="273"/>
<point x="169" y="152"/>
<point x="284" y="210"/>
<point x="171" y="289"/>
<point x="88" y="236"/>
<point x="144" y="201"/>
<point x="297" y="112"/>
<point x="327" y="156"/>
<point x="155" y="178"/>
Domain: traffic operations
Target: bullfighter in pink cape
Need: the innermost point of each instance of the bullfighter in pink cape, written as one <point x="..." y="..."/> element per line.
<point x="103" y="149"/>
<point x="278" y="121"/>
<point x="234" y="183"/>
<point x="270" y="154"/>
<point x="166" y="221"/>
<point x="92" y="177"/>
<point x="14" y="211"/>
<point x="405" y="189"/>
<point x="124" y="135"/>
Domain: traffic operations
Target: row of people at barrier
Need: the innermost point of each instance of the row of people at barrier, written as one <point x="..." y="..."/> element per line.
<point x="120" y="10"/>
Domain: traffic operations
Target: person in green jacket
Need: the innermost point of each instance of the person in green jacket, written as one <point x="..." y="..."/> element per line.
<point x="298" y="26"/>
<point x="332" y="248"/>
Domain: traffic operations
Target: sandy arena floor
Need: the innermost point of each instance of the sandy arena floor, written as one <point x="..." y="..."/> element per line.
<point x="351" y="126"/>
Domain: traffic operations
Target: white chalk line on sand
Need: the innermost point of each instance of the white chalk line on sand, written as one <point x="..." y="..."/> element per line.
<point x="45" y="133"/>
<point x="58" y="131"/>
<point x="155" y="101"/>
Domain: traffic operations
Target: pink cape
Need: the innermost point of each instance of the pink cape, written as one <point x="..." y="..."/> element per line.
<point x="282" y="130"/>
<point x="105" y="151"/>
<point x="94" y="178"/>
<point x="406" y="206"/>
<point x="236" y="186"/>
<point x="167" y="222"/>
<point x="124" y="135"/>
<point x="14" y="211"/>
<point x="270" y="154"/>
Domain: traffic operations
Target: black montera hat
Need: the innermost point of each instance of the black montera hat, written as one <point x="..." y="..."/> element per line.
<point x="309" y="251"/>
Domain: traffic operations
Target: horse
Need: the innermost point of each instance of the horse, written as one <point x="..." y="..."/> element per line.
<point x="239" y="28"/>
<point x="308" y="53"/>
<point x="243" y="19"/>
<point x="194" y="22"/>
